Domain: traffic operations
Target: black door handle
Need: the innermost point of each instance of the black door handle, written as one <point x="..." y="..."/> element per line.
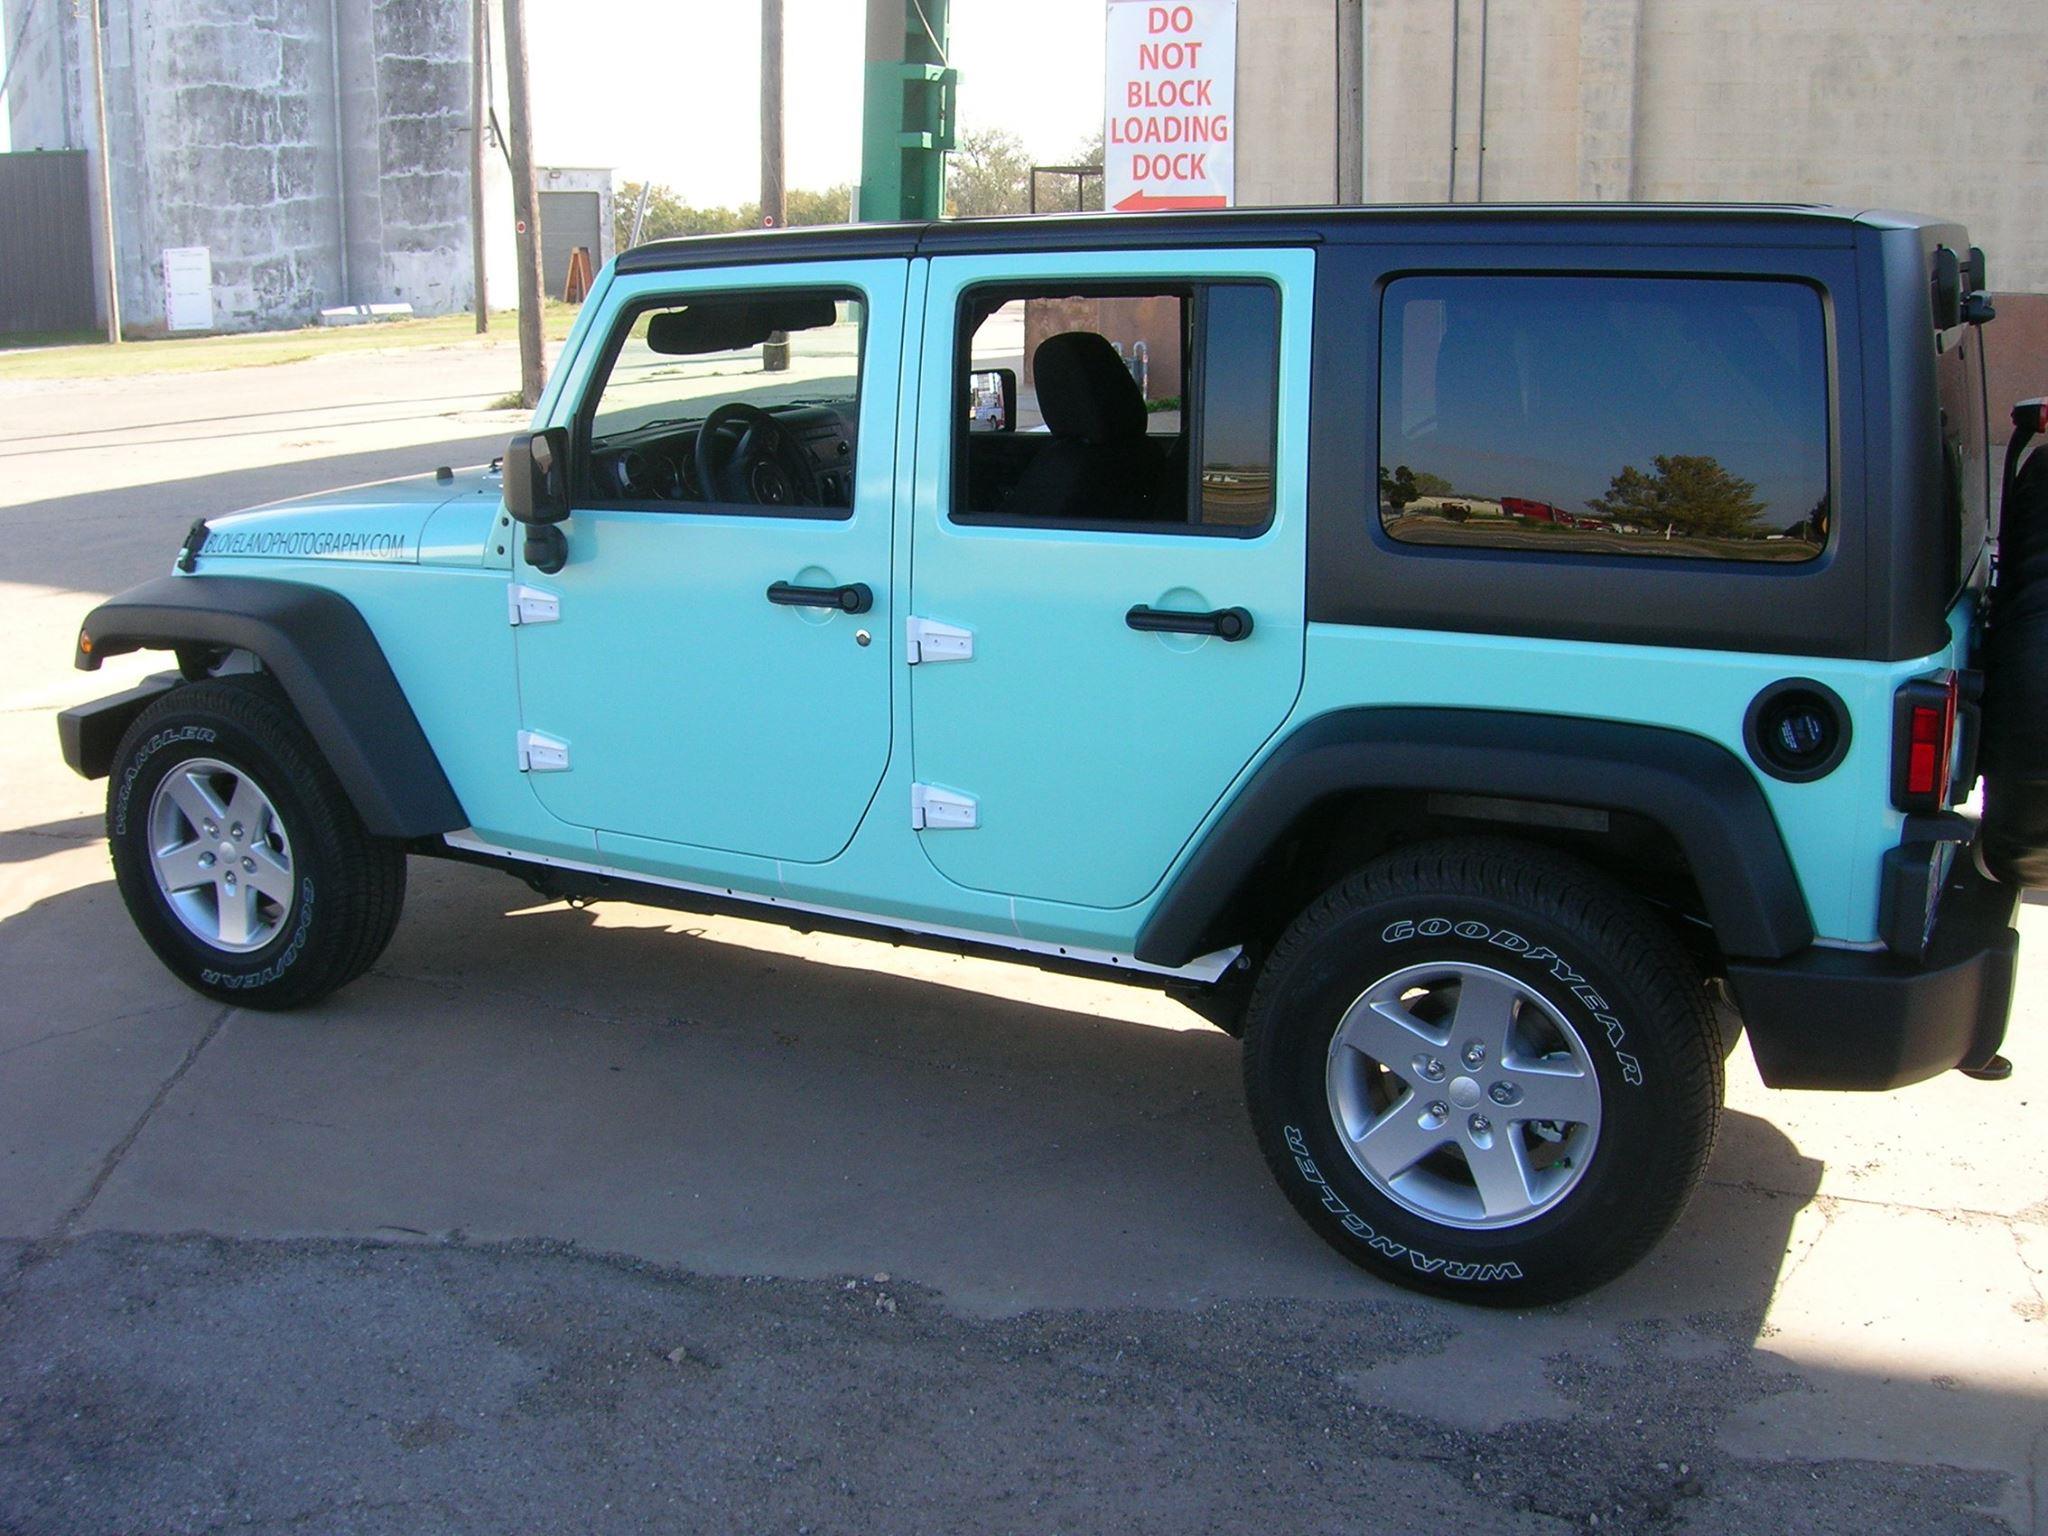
<point x="856" y="597"/>
<point x="1224" y="623"/>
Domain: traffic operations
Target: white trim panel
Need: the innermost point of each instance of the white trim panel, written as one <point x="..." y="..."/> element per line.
<point x="1205" y="968"/>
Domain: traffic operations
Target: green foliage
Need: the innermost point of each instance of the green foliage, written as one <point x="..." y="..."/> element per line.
<point x="668" y="215"/>
<point x="1431" y="485"/>
<point x="1399" y="488"/>
<point x="1690" y="493"/>
<point x="989" y="173"/>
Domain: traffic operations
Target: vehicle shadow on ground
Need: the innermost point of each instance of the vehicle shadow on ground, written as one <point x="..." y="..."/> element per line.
<point x="104" y="541"/>
<point x="694" y="1092"/>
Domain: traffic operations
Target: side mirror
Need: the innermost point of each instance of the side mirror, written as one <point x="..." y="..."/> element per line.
<point x="536" y="476"/>
<point x="992" y="400"/>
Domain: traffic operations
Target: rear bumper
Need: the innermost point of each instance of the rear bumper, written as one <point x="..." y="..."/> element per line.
<point x="1844" y="1019"/>
<point x="89" y="733"/>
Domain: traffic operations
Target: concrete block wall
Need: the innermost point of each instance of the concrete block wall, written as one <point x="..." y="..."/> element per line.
<point x="226" y="130"/>
<point x="1938" y="108"/>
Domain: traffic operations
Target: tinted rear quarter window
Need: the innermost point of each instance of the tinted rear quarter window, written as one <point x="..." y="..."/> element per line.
<point x="1662" y="417"/>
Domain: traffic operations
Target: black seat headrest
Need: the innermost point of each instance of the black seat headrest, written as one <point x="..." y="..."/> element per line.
<point x="1084" y="389"/>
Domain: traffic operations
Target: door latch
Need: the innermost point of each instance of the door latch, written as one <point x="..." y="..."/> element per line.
<point x="941" y="810"/>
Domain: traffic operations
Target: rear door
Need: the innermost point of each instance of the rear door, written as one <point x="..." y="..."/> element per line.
<point x="1104" y="707"/>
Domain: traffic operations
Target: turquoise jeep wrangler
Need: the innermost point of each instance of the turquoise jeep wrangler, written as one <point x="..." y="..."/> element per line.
<point x="1484" y="657"/>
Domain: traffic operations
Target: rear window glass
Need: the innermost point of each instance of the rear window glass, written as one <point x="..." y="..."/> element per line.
<point x="1965" y="456"/>
<point x="1673" y="417"/>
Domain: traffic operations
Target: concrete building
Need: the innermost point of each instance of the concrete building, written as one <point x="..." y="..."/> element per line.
<point x="1889" y="103"/>
<point x="318" y="149"/>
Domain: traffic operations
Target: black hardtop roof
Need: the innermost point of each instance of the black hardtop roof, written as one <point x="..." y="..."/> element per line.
<point x="1504" y="222"/>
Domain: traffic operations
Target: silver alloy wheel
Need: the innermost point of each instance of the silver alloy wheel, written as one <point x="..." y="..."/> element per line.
<point x="220" y="855"/>
<point x="1463" y="1095"/>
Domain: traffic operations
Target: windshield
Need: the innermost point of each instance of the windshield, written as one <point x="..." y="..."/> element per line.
<point x="647" y="388"/>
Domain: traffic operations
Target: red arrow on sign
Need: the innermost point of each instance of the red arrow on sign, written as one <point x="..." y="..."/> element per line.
<point x="1145" y="202"/>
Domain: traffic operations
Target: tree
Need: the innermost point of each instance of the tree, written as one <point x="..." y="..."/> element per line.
<point x="668" y="215"/>
<point x="1689" y="493"/>
<point x="1431" y="485"/>
<point x="1399" y="488"/>
<point x="990" y="172"/>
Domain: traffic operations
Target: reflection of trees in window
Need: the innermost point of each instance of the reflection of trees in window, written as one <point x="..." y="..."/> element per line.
<point x="1688" y="493"/>
<point x="1405" y="485"/>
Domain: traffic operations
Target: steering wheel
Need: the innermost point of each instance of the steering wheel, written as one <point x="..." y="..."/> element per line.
<point x="746" y="455"/>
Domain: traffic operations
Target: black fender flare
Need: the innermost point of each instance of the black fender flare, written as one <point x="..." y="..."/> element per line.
<point x="1696" y="790"/>
<point x="323" y="655"/>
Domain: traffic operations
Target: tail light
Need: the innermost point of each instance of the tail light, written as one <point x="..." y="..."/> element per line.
<point x="1924" y="742"/>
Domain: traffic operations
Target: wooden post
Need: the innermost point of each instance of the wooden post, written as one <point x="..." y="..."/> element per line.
<point x="99" y="97"/>
<point x="479" y="126"/>
<point x="525" y="206"/>
<point x="774" y="203"/>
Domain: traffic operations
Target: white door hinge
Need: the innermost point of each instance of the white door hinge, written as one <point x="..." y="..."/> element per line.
<point x="542" y="754"/>
<point x="530" y="605"/>
<point x="929" y="640"/>
<point x="941" y="810"/>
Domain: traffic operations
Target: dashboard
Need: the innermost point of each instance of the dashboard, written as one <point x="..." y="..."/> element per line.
<point x="658" y="462"/>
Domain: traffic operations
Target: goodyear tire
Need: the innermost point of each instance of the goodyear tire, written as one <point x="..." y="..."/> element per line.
<point x="2015" y="760"/>
<point x="238" y="854"/>
<point x="1482" y="1070"/>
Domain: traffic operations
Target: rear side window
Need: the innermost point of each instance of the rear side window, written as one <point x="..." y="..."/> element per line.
<point x="1664" y="417"/>
<point x="1118" y="407"/>
<point x="1965" y="457"/>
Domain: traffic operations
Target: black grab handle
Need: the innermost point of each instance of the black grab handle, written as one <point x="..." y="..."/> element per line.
<point x="856" y="597"/>
<point x="1224" y="623"/>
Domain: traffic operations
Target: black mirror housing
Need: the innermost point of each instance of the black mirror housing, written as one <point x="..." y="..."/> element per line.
<point x="536" y="476"/>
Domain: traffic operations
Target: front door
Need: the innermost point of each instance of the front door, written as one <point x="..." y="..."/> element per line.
<point x="711" y="666"/>
<point x="1125" y="557"/>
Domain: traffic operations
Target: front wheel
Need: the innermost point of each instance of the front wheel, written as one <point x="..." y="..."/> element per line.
<point x="1482" y="1070"/>
<point x="238" y="854"/>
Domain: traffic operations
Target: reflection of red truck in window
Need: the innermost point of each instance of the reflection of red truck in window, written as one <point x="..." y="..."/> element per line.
<point x="1544" y="512"/>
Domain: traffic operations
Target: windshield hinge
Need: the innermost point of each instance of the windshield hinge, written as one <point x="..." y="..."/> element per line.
<point x="929" y="640"/>
<point x="530" y="605"/>
<point x="941" y="810"/>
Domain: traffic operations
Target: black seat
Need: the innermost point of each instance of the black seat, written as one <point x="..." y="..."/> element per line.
<point x="1098" y="465"/>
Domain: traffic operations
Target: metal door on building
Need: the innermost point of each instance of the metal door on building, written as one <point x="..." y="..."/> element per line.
<point x="567" y="220"/>
<point x="46" y="262"/>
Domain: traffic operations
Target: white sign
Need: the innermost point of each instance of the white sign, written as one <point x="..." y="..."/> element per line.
<point x="188" y="288"/>
<point x="1168" y="126"/>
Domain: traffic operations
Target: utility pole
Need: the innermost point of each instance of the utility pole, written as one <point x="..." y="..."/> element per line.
<point x="1350" y="146"/>
<point x="525" y="206"/>
<point x="774" y="203"/>
<point x="99" y="92"/>
<point x="479" y="121"/>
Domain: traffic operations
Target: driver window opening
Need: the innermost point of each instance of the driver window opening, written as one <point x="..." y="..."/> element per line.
<point x="738" y="401"/>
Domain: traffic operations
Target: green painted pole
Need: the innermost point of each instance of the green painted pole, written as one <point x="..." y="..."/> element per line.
<point x="907" y="119"/>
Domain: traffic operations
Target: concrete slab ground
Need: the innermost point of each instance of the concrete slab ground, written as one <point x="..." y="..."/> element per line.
<point x="580" y="1219"/>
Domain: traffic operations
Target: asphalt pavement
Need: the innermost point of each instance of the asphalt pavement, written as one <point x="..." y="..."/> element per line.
<point x="622" y="1219"/>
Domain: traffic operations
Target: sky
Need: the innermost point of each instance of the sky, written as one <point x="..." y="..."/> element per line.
<point x="669" y="89"/>
<point x="681" y="104"/>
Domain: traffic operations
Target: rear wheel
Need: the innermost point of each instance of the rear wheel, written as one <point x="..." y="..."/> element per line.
<point x="238" y="853"/>
<point x="1483" y="1070"/>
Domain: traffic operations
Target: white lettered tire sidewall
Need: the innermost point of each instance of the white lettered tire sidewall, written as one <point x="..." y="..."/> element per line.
<point x="346" y="886"/>
<point x="1652" y="1138"/>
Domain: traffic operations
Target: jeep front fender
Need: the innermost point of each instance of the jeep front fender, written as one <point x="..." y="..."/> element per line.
<point x="321" y="653"/>
<point x="1697" y="791"/>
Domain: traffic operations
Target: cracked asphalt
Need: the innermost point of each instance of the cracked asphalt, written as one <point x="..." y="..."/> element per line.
<point x="622" y="1219"/>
